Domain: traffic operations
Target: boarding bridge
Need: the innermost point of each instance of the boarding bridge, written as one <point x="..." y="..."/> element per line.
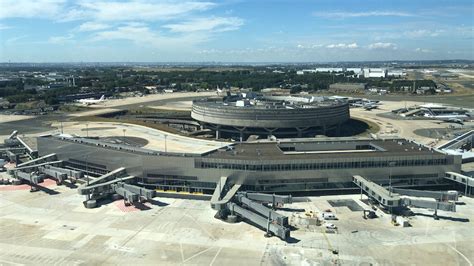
<point x="132" y="193"/>
<point x="437" y="195"/>
<point x="60" y="174"/>
<point x="275" y="200"/>
<point x="278" y="230"/>
<point x="393" y="198"/>
<point x="457" y="142"/>
<point x="377" y="192"/>
<point x="32" y="178"/>
<point x="258" y="207"/>
<point x="249" y="206"/>
<point x="467" y="181"/>
<point x="114" y="182"/>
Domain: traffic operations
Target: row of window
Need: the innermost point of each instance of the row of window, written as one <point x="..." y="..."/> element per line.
<point x="321" y="166"/>
<point x="176" y="183"/>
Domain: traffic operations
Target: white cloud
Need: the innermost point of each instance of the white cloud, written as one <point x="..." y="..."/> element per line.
<point x="92" y="26"/>
<point x="383" y="45"/>
<point x="343" y="46"/>
<point x="362" y="14"/>
<point x="30" y="9"/>
<point x="141" y="34"/>
<point x="309" y="46"/>
<point x="213" y="24"/>
<point x="61" y="39"/>
<point x="134" y="10"/>
<point x="423" y="33"/>
<point x="422" y="50"/>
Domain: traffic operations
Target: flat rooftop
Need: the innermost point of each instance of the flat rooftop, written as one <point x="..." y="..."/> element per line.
<point x="321" y="149"/>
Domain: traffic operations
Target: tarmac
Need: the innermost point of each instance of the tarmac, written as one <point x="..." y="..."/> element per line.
<point x="52" y="227"/>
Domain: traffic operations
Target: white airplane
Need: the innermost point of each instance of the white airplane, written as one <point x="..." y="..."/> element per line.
<point x="91" y="101"/>
<point x="451" y="118"/>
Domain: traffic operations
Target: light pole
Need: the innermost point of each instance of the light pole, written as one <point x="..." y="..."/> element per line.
<point x="166" y="147"/>
<point x="124" y="133"/>
<point x="87" y="130"/>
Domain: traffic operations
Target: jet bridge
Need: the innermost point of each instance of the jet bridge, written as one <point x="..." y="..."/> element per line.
<point x="393" y="198"/>
<point x="276" y="229"/>
<point x="60" y="174"/>
<point x="249" y="206"/>
<point x="467" y="181"/>
<point x="114" y="182"/>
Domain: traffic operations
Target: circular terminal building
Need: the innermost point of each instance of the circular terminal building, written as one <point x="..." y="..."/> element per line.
<point x="281" y="116"/>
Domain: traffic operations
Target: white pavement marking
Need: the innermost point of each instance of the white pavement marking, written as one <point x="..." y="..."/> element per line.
<point x="215" y="257"/>
<point x="462" y="255"/>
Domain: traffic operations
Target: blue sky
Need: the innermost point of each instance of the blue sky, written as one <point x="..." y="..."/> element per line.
<point x="234" y="30"/>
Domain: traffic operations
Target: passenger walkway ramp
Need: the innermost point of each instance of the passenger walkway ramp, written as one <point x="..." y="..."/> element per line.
<point x="452" y="144"/>
<point x="43" y="159"/>
<point x="413" y="112"/>
<point x="103" y="181"/>
<point x="467" y="181"/>
<point x="34" y="166"/>
<point x="438" y="195"/>
<point x="31" y="151"/>
<point x="217" y="201"/>
<point x="377" y="192"/>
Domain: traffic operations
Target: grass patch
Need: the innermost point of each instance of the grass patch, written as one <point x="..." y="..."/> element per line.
<point x="358" y="127"/>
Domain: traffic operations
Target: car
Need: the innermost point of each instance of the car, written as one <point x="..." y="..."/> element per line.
<point x="330" y="226"/>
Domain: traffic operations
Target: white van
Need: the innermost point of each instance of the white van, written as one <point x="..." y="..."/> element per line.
<point x="329" y="216"/>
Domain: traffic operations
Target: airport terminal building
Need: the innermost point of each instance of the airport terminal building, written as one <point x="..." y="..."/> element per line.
<point x="287" y="165"/>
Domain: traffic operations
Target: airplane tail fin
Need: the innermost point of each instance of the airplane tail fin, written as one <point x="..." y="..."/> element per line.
<point x="102" y="98"/>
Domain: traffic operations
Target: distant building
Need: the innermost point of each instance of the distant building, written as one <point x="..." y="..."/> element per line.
<point x="358" y="71"/>
<point x="329" y="69"/>
<point x="348" y="87"/>
<point x="396" y="73"/>
<point x="375" y="72"/>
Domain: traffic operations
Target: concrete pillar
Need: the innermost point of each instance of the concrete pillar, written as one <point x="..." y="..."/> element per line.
<point x="300" y="132"/>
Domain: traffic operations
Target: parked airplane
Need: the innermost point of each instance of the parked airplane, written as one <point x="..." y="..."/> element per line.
<point x="451" y="118"/>
<point x="91" y="101"/>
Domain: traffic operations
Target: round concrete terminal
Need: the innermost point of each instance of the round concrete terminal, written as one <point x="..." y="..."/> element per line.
<point x="271" y="115"/>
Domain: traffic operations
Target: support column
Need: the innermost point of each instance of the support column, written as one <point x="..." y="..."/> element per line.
<point x="217" y="132"/>
<point x="241" y="133"/>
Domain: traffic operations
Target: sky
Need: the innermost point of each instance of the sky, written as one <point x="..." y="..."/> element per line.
<point x="235" y="30"/>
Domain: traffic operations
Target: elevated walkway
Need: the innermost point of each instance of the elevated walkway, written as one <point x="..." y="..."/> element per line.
<point x="467" y="181"/>
<point x="217" y="201"/>
<point x="453" y="144"/>
<point x="389" y="198"/>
